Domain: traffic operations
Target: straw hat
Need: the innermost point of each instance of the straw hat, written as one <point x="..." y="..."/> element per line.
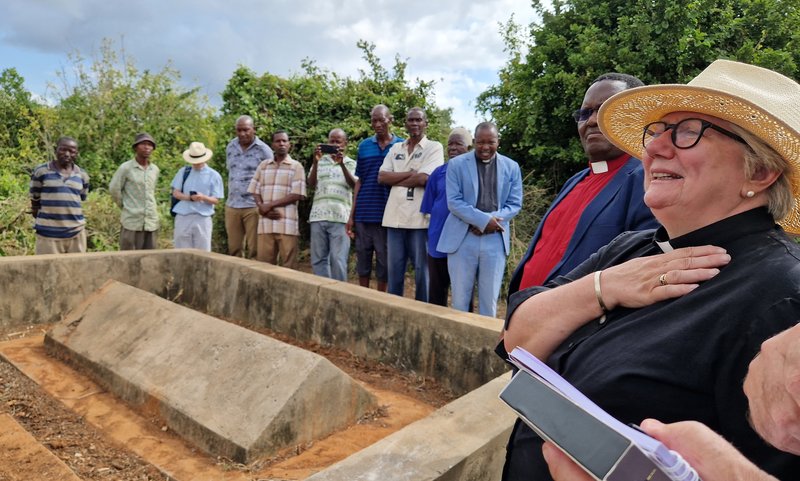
<point x="763" y="102"/>
<point x="197" y="153"/>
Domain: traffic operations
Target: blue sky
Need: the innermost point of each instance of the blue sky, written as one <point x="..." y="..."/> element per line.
<point x="455" y="43"/>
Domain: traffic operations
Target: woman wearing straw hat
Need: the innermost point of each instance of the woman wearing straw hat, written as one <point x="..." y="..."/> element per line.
<point x="198" y="188"/>
<point x="662" y="324"/>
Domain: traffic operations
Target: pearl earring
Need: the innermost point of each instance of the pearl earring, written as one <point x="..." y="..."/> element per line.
<point x="750" y="193"/>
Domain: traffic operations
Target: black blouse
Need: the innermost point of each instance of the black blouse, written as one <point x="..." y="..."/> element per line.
<point x="686" y="358"/>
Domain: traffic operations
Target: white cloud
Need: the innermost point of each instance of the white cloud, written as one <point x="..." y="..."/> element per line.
<point x="456" y="43"/>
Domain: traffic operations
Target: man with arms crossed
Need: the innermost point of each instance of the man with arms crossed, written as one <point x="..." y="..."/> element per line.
<point x="406" y="169"/>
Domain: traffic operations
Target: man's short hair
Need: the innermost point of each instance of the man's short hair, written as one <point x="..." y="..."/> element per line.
<point x="418" y="109"/>
<point x="65" y="138"/>
<point x="279" y="131"/>
<point x="629" y="80"/>
<point x="245" y="118"/>
<point x="465" y="135"/>
<point x="486" y="126"/>
<point x="338" y="129"/>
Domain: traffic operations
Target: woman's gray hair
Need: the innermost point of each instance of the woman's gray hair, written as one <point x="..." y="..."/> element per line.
<point x="761" y="156"/>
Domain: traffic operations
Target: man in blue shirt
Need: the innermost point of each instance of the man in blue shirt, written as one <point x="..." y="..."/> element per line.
<point x="434" y="202"/>
<point x="369" y="200"/>
<point x="242" y="156"/>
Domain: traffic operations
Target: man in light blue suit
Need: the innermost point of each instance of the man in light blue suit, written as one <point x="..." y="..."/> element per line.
<point x="484" y="192"/>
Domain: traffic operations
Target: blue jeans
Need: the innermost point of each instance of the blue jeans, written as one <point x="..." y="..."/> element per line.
<point x="330" y="249"/>
<point x="481" y="256"/>
<point x="403" y="245"/>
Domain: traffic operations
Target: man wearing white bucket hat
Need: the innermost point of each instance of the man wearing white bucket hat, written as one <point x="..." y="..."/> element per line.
<point x="663" y="323"/>
<point x="198" y="190"/>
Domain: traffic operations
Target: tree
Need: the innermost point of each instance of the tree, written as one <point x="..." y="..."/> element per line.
<point x="109" y="100"/>
<point x="21" y="121"/>
<point x="659" y="41"/>
<point x="310" y="104"/>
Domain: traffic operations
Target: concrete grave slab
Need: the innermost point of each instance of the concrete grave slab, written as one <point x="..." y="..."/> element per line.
<point x="232" y="392"/>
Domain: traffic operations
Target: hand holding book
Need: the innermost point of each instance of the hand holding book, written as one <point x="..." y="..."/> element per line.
<point x="603" y="446"/>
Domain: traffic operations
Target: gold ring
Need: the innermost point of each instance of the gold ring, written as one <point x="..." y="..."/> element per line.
<point x="662" y="279"/>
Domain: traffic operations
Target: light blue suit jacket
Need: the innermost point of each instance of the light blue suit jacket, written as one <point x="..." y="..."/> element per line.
<point x="462" y="195"/>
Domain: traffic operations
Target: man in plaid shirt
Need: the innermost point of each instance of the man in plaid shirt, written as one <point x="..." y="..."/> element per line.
<point x="277" y="186"/>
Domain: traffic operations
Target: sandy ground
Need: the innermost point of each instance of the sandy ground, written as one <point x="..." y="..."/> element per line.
<point x="99" y="437"/>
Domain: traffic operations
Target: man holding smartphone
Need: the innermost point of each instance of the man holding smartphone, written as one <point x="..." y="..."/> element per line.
<point x="331" y="177"/>
<point x="198" y="193"/>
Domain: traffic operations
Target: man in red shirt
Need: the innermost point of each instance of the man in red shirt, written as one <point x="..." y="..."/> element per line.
<point x="594" y="206"/>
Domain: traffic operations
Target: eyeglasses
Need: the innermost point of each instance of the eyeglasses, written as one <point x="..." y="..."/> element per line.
<point x="582" y="115"/>
<point x="685" y="134"/>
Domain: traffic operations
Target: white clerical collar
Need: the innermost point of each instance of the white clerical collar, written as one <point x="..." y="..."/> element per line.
<point x="665" y="246"/>
<point x="599" y="167"/>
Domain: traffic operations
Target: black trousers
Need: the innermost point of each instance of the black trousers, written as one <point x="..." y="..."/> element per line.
<point x="438" y="280"/>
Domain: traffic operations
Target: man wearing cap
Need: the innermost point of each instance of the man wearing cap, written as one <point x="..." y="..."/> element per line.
<point x="57" y="191"/>
<point x="133" y="188"/>
<point x="434" y="202"/>
<point x="198" y="193"/>
<point x="242" y="156"/>
<point x="484" y="192"/>
<point x="594" y="206"/>
<point x="277" y="186"/>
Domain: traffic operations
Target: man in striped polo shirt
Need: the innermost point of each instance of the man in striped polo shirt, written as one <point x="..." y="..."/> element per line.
<point x="57" y="191"/>
<point x="369" y="199"/>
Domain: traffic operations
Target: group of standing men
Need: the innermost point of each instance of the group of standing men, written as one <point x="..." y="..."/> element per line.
<point x="409" y="208"/>
<point x="399" y="199"/>
<point x="380" y="199"/>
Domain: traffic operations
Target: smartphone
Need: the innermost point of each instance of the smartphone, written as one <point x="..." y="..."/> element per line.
<point x="328" y="148"/>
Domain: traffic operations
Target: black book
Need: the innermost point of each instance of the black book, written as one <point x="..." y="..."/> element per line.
<point x="603" y="446"/>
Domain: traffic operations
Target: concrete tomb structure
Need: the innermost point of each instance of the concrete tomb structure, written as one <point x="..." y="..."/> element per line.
<point x="231" y="391"/>
<point x="462" y="441"/>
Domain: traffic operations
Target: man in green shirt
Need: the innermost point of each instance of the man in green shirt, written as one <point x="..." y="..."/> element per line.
<point x="133" y="188"/>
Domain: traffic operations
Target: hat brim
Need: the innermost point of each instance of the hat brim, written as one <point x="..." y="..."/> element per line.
<point x="622" y="119"/>
<point x="197" y="160"/>
<point x="144" y="140"/>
